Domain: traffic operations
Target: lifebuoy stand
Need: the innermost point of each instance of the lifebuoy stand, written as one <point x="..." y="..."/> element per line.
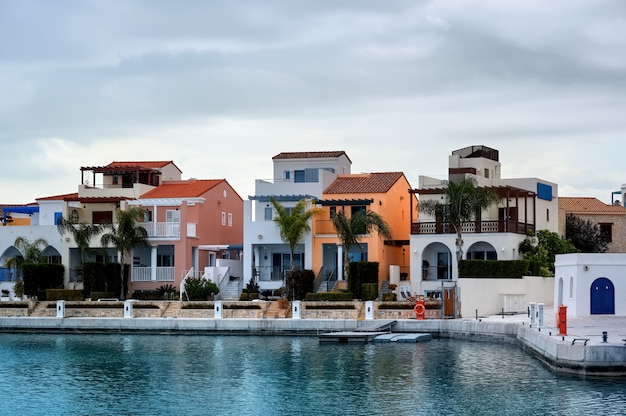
<point x="419" y="309"/>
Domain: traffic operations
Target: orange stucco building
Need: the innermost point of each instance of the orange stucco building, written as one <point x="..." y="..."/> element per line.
<point x="386" y="194"/>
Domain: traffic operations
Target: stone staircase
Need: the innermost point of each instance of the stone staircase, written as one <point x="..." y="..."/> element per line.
<point x="42" y="310"/>
<point x="230" y="291"/>
<point x="384" y="289"/>
<point x="274" y="311"/>
<point x="172" y="310"/>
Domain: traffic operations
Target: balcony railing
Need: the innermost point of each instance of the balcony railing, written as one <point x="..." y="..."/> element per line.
<point x="268" y="273"/>
<point x="471" y="227"/>
<point x="144" y="274"/>
<point x="162" y="229"/>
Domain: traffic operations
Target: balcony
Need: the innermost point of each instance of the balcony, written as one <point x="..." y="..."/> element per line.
<point x="472" y="227"/>
<point x="162" y="229"/>
<point x="144" y="274"/>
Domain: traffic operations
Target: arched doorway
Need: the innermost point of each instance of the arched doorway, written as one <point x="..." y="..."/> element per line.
<point x="602" y="297"/>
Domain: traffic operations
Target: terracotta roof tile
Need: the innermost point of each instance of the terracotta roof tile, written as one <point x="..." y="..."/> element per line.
<point x="588" y="205"/>
<point x="64" y="197"/>
<point x="309" y="155"/>
<point x="367" y="183"/>
<point x="191" y="188"/>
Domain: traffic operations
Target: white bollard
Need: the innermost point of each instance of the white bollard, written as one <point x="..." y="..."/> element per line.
<point x="60" y="309"/>
<point x="218" y="309"/>
<point x="369" y="309"/>
<point x="533" y="309"/>
<point x="128" y="309"/>
<point x="295" y="309"/>
<point x="540" y="315"/>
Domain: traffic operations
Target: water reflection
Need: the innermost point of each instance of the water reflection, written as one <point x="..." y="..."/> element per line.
<point x="225" y="375"/>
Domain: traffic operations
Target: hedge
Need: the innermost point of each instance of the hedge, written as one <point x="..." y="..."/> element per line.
<point x="329" y="296"/>
<point x="361" y="272"/>
<point x="64" y="294"/>
<point x="493" y="268"/>
<point x="41" y="276"/>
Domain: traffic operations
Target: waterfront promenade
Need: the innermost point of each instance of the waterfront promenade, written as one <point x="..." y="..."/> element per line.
<point x="582" y="350"/>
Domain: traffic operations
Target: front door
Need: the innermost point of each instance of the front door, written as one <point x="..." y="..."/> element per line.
<point x="448" y="302"/>
<point x="602" y="297"/>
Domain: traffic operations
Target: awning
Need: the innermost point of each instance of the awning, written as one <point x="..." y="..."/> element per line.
<point x="20" y="210"/>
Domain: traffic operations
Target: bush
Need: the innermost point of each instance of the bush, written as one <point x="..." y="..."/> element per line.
<point x="369" y="291"/>
<point x="41" y="276"/>
<point x="200" y="289"/>
<point x="388" y="297"/>
<point x="64" y="294"/>
<point x="245" y="296"/>
<point x="361" y="272"/>
<point x="102" y="295"/>
<point x="493" y="268"/>
<point x="102" y="277"/>
<point x="299" y="283"/>
<point x="329" y="296"/>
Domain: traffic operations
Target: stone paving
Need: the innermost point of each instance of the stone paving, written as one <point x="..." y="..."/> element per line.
<point x="584" y="327"/>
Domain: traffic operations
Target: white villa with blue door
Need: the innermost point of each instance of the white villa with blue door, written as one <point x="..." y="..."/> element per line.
<point x="591" y="283"/>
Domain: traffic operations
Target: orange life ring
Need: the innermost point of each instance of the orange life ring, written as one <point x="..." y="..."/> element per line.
<point x="419" y="309"/>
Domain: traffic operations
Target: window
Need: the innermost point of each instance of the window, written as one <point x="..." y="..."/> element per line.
<point x="333" y="212"/>
<point x="268" y="214"/>
<point x="606" y="229"/>
<point x="306" y="175"/>
<point x="102" y="217"/>
<point x="354" y="210"/>
<point x="547" y="215"/>
<point x="486" y="173"/>
<point x="287" y="175"/>
<point x="172" y="215"/>
<point x="116" y="180"/>
<point x="223" y="218"/>
<point x="230" y="219"/>
<point x="147" y="216"/>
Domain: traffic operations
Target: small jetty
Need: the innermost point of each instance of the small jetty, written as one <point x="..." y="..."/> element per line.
<point x="379" y="331"/>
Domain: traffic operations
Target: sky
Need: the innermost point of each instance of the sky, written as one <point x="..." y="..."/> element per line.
<point x="220" y="87"/>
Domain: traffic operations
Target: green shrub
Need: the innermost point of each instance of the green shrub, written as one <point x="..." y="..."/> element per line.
<point x="361" y="272"/>
<point x="64" y="294"/>
<point x="323" y="306"/>
<point x="397" y="305"/>
<point x="388" y="297"/>
<point x="493" y="268"/>
<point x="102" y="277"/>
<point x="299" y="283"/>
<point x="41" y="276"/>
<point x="369" y="291"/>
<point x="200" y="289"/>
<point x="329" y="296"/>
<point x="198" y="305"/>
<point x="100" y="295"/>
<point x="146" y="295"/>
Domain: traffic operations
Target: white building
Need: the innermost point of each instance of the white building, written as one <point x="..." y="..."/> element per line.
<point x="297" y="175"/>
<point x="526" y="204"/>
<point x="591" y="283"/>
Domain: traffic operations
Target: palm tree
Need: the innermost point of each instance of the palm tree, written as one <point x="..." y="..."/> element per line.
<point x="463" y="201"/>
<point x="82" y="234"/>
<point x="31" y="252"/>
<point x="351" y="230"/>
<point x="125" y="236"/>
<point x="294" y="224"/>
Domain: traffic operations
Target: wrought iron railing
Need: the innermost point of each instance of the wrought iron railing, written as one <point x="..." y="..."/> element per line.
<point x="472" y="227"/>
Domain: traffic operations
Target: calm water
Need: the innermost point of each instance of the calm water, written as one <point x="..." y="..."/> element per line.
<point x="232" y="375"/>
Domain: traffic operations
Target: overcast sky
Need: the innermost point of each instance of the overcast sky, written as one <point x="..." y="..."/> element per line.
<point x="222" y="86"/>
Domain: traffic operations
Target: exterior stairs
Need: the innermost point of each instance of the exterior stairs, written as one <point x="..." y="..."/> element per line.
<point x="275" y="311"/>
<point x="230" y="291"/>
<point x="42" y="310"/>
<point x="172" y="310"/>
<point x="384" y="289"/>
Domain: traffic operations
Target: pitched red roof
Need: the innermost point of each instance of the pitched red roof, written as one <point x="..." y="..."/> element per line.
<point x="588" y="205"/>
<point x="310" y="155"/>
<point x="191" y="188"/>
<point x="145" y="164"/>
<point x="63" y="197"/>
<point x="367" y="183"/>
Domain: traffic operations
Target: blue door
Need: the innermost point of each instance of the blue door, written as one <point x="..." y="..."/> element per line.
<point x="602" y="297"/>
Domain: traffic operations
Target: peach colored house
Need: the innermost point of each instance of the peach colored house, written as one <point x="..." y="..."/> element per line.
<point x="192" y="225"/>
<point x="385" y="193"/>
